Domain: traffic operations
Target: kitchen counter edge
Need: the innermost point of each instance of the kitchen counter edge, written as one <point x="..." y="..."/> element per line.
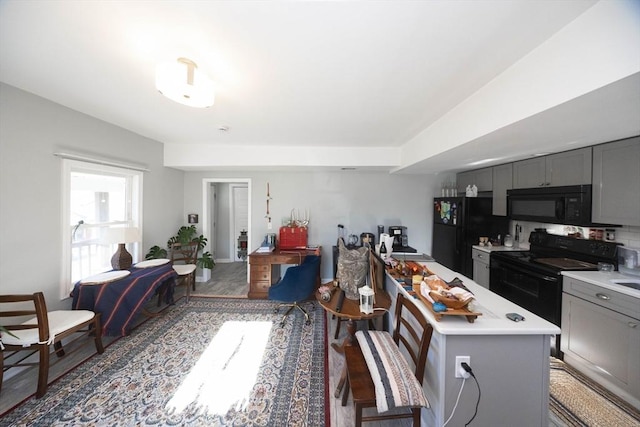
<point x="605" y="278"/>
<point x="493" y="307"/>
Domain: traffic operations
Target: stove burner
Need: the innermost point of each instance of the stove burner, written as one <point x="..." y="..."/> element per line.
<point x="566" y="263"/>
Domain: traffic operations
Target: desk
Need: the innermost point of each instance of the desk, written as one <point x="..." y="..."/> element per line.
<point x="264" y="268"/>
<point x="351" y="312"/>
<point x="121" y="301"/>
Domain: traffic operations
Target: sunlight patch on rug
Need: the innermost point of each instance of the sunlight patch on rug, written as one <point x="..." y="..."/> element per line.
<point x="225" y="374"/>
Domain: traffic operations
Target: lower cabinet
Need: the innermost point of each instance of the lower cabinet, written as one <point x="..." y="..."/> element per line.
<point x="481" y="267"/>
<point x="599" y="340"/>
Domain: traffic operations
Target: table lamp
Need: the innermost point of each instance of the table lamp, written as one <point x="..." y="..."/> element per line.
<point x="122" y="259"/>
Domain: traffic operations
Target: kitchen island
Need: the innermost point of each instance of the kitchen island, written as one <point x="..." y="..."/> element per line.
<point x="509" y="359"/>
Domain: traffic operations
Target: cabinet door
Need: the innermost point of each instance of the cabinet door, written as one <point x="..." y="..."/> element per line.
<point x="463" y="179"/>
<point x="569" y="168"/>
<point x="529" y="173"/>
<point x="484" y="179"/>
<point x="616" y="182"/>
<point x="481" y="178"/>
<point x="502" y="181"/>
<point x="604" y="339"/>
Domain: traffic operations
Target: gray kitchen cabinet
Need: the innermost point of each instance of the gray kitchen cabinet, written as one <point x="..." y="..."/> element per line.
<point x="502" y="181"/>
<point x="481" y="268"/>
<point x="601" y="338"/>
<point x="566" y="168"/>
<point x="481" y="178"/>
<point x="616" y="182"/>
<point x="529" y="173"/>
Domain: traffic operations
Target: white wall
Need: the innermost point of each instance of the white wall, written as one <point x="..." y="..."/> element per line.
<point x="359" y="201"/>
<point x="31" y="130"/>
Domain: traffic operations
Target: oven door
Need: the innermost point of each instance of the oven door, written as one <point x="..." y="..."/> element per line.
<point x="530" y="288"/>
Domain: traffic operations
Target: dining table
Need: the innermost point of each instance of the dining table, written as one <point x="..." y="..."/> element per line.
<point x="121" y="295"/>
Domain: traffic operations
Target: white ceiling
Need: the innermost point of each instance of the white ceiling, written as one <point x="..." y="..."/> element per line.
<point x="301" y="74"/>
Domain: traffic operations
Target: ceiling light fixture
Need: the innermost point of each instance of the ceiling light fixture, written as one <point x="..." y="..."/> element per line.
<point x="181" y="82"/>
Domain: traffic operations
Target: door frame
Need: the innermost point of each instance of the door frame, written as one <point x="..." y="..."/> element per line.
<point x="206" y="205"/>
<point x="232" y="206"/>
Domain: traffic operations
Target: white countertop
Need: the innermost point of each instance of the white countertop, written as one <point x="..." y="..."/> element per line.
<point x="489" y="249"/>
<point x="605" y="279"/>
<point x="492" y="306"/>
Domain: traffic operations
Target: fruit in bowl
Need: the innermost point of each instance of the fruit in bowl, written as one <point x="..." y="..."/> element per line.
<point x="450" y="302"/>
<point x="437" y="290"/>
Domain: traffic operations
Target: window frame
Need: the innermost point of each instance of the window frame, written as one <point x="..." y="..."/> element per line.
<point x="134" y="212"/>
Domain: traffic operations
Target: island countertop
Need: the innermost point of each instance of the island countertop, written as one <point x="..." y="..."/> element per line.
<point x="493" y="307"/>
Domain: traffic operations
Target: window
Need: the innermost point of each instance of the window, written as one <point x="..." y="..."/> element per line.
<point x="96" y="198"/>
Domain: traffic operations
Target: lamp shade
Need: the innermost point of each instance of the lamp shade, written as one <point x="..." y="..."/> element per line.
<point x="182" y="82"/>
<point x="119" y="235"/>
<point x="122" y="259"/>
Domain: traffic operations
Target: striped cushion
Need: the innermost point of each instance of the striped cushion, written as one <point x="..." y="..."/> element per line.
<point x="395" y="382"/>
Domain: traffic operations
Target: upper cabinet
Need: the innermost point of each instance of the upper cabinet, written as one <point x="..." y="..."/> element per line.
<point x="502" y="181"/>
<point x="567" y="168"/>
<point x="616" y="182"/>
<point x="481" y="178"/>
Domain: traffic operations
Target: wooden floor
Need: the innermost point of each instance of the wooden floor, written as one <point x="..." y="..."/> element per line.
<point x="228" y="280"/>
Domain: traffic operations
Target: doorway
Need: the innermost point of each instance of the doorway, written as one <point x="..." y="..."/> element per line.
<point x="226" y="210"/>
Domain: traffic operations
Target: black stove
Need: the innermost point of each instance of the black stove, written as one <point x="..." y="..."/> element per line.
<point x="533" y="279"/>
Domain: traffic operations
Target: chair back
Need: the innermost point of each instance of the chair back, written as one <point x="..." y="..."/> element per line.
<point x="15" y="306"/>
<point x="415" y="341"/>
<point x="299" y="282"/>
<point x="186" y="253"/>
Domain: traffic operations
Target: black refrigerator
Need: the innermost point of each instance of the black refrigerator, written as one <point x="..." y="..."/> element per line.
<point x="458" y="223"/>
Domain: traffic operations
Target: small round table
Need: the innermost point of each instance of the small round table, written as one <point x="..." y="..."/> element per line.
<point x="351" y="312"/>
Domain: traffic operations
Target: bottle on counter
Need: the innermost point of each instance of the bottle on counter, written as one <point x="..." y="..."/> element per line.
<point x="383" y="250"/>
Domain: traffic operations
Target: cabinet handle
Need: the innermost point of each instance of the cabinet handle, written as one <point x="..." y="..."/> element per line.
<point x="632" y="324"/>
<point x="480" y="256"/>
<point x="603" y="296"/>
<point x="542" y="184"/>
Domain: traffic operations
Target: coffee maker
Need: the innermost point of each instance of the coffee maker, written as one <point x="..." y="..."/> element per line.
<point x="400" y="239"/>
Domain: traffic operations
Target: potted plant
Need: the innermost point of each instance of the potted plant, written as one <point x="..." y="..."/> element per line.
<point x="183" y="236"/>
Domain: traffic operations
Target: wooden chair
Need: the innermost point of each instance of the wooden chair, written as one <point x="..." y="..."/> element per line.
<point x="415" y="342"/>
<point x="38" y="333"/>
<point x="184" y="258"/>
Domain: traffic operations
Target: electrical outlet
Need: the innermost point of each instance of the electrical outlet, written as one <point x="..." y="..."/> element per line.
<point x="269" y="226"/>
<point x="459" y="361"/>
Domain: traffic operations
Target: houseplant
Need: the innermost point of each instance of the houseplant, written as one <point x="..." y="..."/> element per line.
<point x="183" y="236"/>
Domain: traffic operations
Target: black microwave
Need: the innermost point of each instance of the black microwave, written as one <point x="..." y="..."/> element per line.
<point x="569" y="205"/>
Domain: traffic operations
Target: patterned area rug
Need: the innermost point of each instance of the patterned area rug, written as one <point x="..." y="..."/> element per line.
<point x="576" y="400"/>
<point x="206" y="363"/>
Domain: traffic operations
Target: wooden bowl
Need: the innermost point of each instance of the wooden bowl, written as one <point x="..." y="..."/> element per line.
<point x="450" y="303"/>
